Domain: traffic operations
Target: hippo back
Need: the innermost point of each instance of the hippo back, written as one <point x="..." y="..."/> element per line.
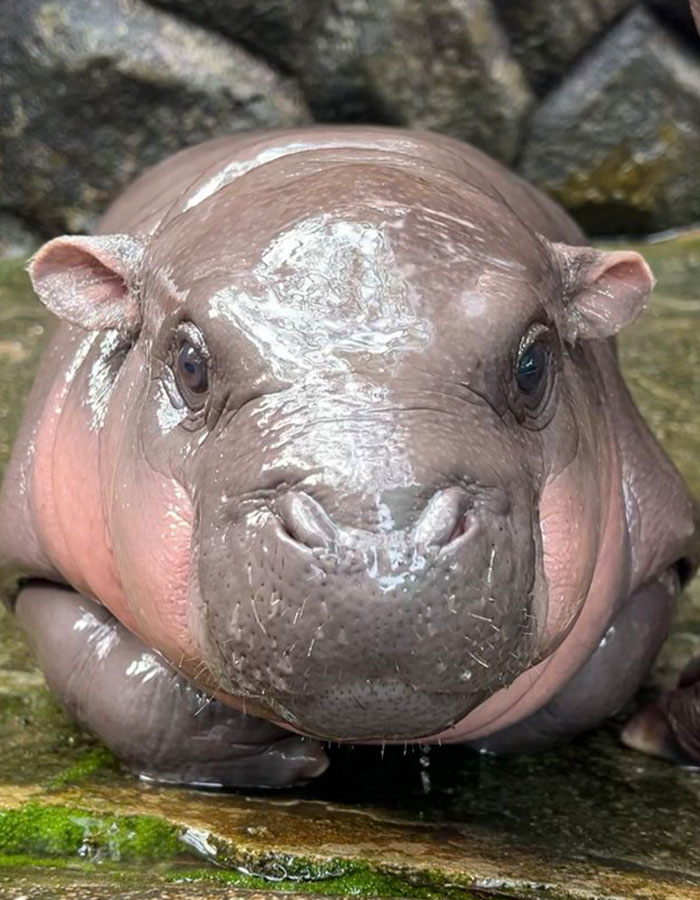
<point x="195" y="173"/>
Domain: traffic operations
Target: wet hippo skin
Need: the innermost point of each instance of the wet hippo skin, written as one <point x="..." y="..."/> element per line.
<point x="331" y="443"/>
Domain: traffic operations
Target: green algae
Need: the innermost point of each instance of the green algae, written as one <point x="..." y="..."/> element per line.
<point x="622" y="191"/>
<point x="38" y="835"/>
<point x="92" y="763"/>
<point x="55" y="831"/>
<point x="285" y="871"/>
<point x="340" y="879"/>
<point x="73" y="840"/>
<point x="33" y="727"/>
<point x="189" y="882"/>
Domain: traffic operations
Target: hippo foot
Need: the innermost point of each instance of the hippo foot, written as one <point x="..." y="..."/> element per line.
<point x="150" y="716"/>
<point x="670" y="726"/>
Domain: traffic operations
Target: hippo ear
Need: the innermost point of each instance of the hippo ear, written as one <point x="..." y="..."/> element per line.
<point x="91" y="281"/>
<point x="603" y="291"/>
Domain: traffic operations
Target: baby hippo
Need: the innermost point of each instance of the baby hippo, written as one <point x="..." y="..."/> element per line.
<point x="331" y="445"/>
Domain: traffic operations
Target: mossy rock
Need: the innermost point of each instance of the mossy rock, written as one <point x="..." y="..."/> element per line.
<point x="617" y="142"/>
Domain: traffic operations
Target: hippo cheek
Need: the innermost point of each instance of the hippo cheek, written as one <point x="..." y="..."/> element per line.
<point x="569" y="524"/>
<point x="67" y="495"/>
<point x="574" y="506"/>
<point x="151" y="530"/>
<point x="369" y="637"/>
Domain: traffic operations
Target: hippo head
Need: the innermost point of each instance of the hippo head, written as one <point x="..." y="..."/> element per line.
<point x="355" y="461"/>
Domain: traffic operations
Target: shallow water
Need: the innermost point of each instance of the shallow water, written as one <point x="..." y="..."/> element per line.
<point x="589" y="820"/>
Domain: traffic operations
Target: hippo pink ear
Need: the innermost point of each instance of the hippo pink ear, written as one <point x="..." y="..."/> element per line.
<point x="604" y="291"/>
<point x="91" y="281"/>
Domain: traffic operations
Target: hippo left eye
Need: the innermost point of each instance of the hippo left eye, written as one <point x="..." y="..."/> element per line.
<point x="191" y="371"/>
<point x="532" y="368"/>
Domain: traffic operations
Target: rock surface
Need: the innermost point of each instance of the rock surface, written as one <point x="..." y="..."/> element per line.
<point x="603" y="114"/>
<point x="94" y="92"/>
<point x="547" y="36"/>
<point x="618" y="143"/>
<point x="276" y="29"/>
<point x="438" y="64"/>
<point x="591" y="820"/>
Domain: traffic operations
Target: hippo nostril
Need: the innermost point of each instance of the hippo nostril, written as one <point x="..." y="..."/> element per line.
<point x="444" y="518"/>
<point x="306" y="521"/>
<point x="461" y="527"/>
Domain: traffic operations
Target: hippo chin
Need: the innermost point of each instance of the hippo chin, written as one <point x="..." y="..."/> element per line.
<point x="332" y="443"/>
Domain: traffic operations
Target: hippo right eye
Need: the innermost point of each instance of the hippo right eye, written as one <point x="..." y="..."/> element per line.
<point x="533" y="380"/>
<point x="191" y="372"/>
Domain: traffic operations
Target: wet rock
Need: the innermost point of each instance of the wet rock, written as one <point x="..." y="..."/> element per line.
<point x="439" y="64"/>
<point x="50" y="883"/>
<point x="276" y="29"/>
<point x="93" y="92"/>
<point x="617" y="142"/>
<point x="17" y="240"/>
<point x="548" y="35"/>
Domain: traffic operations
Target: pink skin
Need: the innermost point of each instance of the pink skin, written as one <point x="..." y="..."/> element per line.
<point x="142" y="557"/>
<point x="151" y="551"/>
<point x="67" y="495"/>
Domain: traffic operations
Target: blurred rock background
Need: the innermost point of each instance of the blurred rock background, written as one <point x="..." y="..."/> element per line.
<point x="595" y="101"/>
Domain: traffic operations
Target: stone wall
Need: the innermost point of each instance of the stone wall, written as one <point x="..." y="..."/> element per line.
<point x="596" y="101"/>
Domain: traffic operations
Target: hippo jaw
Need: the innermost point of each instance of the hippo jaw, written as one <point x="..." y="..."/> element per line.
<point x="349" y="633"/>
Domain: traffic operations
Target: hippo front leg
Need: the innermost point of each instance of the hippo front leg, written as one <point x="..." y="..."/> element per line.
<point x="151" y="717"/>
<point x="670" y="726"/>
<point x="606" y="681"/>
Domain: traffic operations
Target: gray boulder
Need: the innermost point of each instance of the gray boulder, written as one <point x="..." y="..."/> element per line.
<point x="92" y="92"/>
<point x="276" y="29"/>
<point x="548" y="35"/>
<point x="439" y="64"/>
<point x="618" y="143"/>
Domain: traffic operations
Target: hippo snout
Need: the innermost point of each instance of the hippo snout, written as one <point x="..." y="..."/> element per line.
<point x="372" y="626"/>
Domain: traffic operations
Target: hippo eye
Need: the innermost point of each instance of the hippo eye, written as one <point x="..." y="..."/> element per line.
<point x="532" y="368"/>
<point x="191" y="371"/>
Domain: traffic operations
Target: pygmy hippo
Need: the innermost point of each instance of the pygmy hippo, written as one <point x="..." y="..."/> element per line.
<point x="331" y="444"/>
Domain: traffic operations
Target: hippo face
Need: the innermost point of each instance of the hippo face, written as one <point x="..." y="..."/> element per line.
<point x="360" y="475"/>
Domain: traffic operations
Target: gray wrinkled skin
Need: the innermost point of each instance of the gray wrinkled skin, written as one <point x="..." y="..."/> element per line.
<point x="362" y="527"/>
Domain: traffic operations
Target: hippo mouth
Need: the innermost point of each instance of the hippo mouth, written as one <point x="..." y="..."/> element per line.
<point x="373" y="710"/>
<point x="367" y="635"/>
